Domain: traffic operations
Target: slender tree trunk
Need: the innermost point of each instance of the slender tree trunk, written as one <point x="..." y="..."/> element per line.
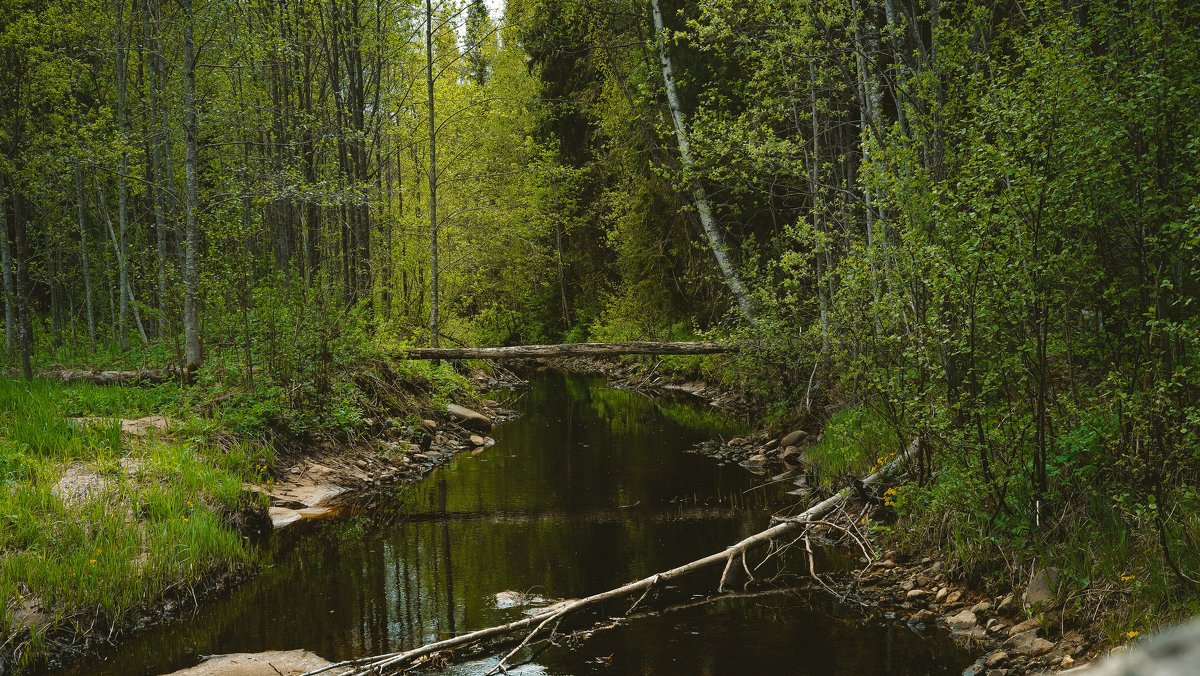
<point x="6" y="264"/>
<point x="21" y="294"/>
<point x="434" y="324"/>
<point x="122" y="171"/>
<point x="716" y="241"/>
<point x="127" y="299"/>
<point x="193" y="352"/>
<point x="158" y="188"/>
<point x="81" y="200"/>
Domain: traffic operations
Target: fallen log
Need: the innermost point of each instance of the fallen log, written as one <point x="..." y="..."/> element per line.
<point x="565" y="350"/>
<point x="789" y="525"/>
<point x="140" y="377"/>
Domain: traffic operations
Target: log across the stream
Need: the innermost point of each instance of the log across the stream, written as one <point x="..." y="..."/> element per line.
<point x="391" y="662"/>
<point x="566" y="350"/>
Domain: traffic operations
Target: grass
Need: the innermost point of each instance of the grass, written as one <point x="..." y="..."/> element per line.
<point x="854" y="442"/>
<point x="160" y="522"/>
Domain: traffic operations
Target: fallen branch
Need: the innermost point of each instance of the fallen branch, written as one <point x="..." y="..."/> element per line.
<point x="566" y="350"/>
<point x="141" y="377"/>
<point x="802" y="521"/>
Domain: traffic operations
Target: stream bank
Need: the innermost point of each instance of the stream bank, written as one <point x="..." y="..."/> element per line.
<point x="590" y="487"/>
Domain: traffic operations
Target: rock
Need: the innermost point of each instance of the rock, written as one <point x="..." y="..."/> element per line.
<point x="1066" y="662"/>
<point x="275" y="663"/>
<point x="996" y="659"/>
<point x="981" y="607"/>
<point x="962" y="622"/>
<point x="476" y="440"/>
<point x="79" y="483"/>
<point x="793" y="438"/>
<point x="953" y="598"/>
<point x="1006" y="603"/>
<point x="1040" y="647"/>
<point x="282" y="517"/>
<point x="935" y="568"/>
<point x="1025" y="626"/>
<point x="488" y="442"/>
<point x="756" y="460"/>
<point x="430" y="425"/>
<point x="1041" y="588"/>
<point x="973" y="670"/>
<point x="908" y="585"/>
<point x="771" y="445"/>
<point x="1028" y="643"/>
<point x="472" y="420"/>
<point x="916" y="594"/>
<point x="941" y="595"/>
<point x="792" y="453"/>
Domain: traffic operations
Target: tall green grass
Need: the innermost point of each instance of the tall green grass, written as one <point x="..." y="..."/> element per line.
<point x="159" y="523"/>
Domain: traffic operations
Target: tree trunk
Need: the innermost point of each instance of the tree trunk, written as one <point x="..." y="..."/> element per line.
<point x="567" y="350"/>
<point x="193" y="351"/>
<point x="21" y="293"/>
<point x="127" y="299"/>
<point x="81" y="200"/>
<point x="6" y="265"/>
<point x="158" y="187"/>
<point x="434" y="324"/>
<point x="716" y="241"/>
<point x="122" y="171"/>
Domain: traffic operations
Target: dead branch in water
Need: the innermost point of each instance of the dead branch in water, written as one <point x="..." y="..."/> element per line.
<point x="800" y="522"/>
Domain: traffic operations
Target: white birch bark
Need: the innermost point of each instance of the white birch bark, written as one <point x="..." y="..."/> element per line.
<point x="716" y="241"/>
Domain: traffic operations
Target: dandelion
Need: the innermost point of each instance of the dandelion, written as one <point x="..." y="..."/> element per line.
<point x="92" y="561"/>
<point x="1132" y="633"/>
<point x="1127" y="577"/>
<point x="185" y="519"/>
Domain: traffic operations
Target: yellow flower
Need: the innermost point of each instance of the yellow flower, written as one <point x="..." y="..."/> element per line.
<point x="1132" y="633"/>
<point x="1127" y="577"/>
<point x="185" y="519"/>
<point x="92" y="561"/>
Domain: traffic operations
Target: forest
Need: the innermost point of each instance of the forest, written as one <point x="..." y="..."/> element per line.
<point x="972" y="226"/>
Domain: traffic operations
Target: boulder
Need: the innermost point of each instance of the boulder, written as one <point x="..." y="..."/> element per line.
<point x="962" y="622"/>
<point x="793" y="438"/>
<point x="289" y="663"/>
<point x="472" y="420"/>
<point x="1041" y="588"/>
<point x="476" y="440"/>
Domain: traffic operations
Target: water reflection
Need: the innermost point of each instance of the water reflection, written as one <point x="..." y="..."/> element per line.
<point x="590" y="488"/>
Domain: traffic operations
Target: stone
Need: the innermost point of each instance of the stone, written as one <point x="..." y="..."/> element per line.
<point x="275" y="663"/>
<point x="1040" y="647"/>
<point x="962" y="622"/>
<point x="281" y="517"/>
<point x="792" y="453"/>
<point x="1031" y="623"/>
<point x="908" y="585"/>
<point x="916" y="594"/>
<point x="981" y="607"/>
<point x="430" y="425"/>
<point x="1066" y="662"/>
<point x="476" y="440"/>
<point x="1027" y="643"/>
<point x="472" y="420"/>
<point x="996" y="659"/>
<point x="973" y="670"/>
<point x="1041" y="588"/>
<point x="1006" y="603"/>
<point x="953" y="598"/>
<point x="793" y="438"/>
<point x="941" y="595"/>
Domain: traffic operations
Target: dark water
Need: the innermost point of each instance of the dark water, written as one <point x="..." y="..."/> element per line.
<point x="588" y="489"/>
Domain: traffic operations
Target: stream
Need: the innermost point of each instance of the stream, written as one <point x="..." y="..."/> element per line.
<point x="589" y="488"/>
